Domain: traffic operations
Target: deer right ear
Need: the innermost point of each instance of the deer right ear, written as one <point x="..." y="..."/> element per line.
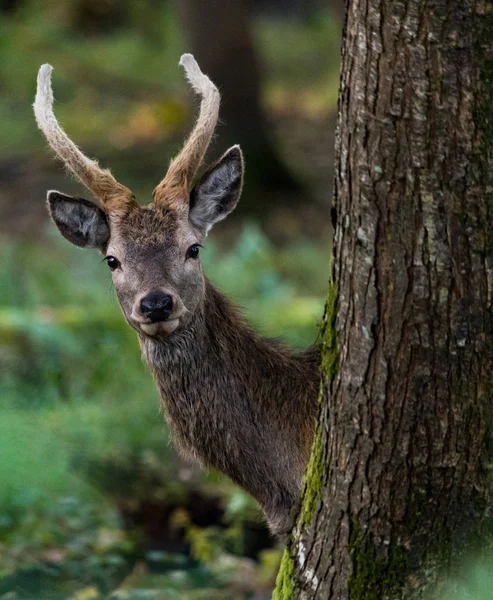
<point x="79" y="221"/>
<point x="218" y="191"/>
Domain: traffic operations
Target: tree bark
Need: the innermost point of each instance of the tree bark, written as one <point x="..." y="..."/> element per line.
<point x="397" y="492"/>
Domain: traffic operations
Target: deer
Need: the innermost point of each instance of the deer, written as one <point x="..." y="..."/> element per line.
<point x="234" y="401"/>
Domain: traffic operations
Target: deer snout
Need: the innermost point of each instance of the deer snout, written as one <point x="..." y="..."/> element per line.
<point x="157" y="306"/>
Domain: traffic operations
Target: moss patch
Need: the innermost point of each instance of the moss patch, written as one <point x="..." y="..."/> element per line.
<point x="284" y="582"/>
<point x="373" y="578"/>
<point x="328" y="336"/>
<point x="312" y="482"/>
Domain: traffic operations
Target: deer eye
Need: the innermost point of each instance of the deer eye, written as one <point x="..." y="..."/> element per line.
<point x="113" y="263"/>
<point x="193" y="251"/>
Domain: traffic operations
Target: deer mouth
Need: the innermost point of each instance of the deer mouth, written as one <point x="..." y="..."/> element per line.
<point x="164" y="327"/>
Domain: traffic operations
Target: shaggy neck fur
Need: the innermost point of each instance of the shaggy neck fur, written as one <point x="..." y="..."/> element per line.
<point x="239" y="403"/>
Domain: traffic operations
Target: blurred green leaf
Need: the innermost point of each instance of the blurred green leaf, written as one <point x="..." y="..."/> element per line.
<point x="81" y="427"/>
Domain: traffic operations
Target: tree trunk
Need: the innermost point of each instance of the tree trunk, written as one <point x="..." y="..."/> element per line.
<point x="398" y="488"/>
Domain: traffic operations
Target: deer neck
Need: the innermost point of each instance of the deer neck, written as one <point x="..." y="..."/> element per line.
<point x="237" y="402"/>
<point x="218" y="359"/>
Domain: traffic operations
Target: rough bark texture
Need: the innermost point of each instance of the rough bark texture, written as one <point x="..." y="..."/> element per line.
<point x="398" y="489"/>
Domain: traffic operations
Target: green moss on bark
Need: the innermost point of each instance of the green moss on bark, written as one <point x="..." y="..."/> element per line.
<point x="284" y="582"/>
<point x="312" y="486"/>
<point x="373" y="578"/>
<point x="312" y="482"/>
<point x="328" y="336"/>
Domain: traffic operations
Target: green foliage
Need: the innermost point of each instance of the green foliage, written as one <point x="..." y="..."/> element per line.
<point x="124" y="91"/>
<point x="280" y="290"/>
<point x="27" y="456"/>
<point x="63" y="541"/>
<point x="123" y="65"/>
<point x="475" y="584"/>
<point x="81" y="435"/>
<point x="294" y="53"/>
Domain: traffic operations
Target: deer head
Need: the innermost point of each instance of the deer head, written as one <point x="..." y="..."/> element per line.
<point x="152" y="250"/>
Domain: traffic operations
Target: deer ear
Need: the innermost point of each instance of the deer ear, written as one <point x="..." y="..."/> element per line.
<point x="79" y="221"/>
<point x="218" y="190"/>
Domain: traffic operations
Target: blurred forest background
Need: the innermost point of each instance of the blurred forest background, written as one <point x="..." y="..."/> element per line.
<point x="94" y="501"/>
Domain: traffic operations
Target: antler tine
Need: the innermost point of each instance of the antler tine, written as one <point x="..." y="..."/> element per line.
<point x="183" y="167"/>
<point x="100" y="181"/>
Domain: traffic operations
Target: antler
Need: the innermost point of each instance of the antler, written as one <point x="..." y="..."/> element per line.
<point x="183" y="167"/>
<point x="100" y="181"/>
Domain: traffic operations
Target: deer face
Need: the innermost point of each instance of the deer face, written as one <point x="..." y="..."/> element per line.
<point x="153" y="250"/>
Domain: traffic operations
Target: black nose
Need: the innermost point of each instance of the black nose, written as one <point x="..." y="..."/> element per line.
<point x="156" y="306"/>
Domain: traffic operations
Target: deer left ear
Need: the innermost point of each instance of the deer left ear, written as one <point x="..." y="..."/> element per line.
<point x="218" y="191"/>
<point x="79" y="221"/>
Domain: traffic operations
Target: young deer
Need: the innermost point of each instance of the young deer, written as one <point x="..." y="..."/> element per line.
<point x="234" y="401"/>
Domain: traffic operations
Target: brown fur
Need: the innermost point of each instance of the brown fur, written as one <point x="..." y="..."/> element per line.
<point x="235" y="401"/>
<point x="239" y="403"/>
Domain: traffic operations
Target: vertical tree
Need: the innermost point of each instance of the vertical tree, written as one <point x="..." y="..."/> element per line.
<point x="398" y="488"/>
